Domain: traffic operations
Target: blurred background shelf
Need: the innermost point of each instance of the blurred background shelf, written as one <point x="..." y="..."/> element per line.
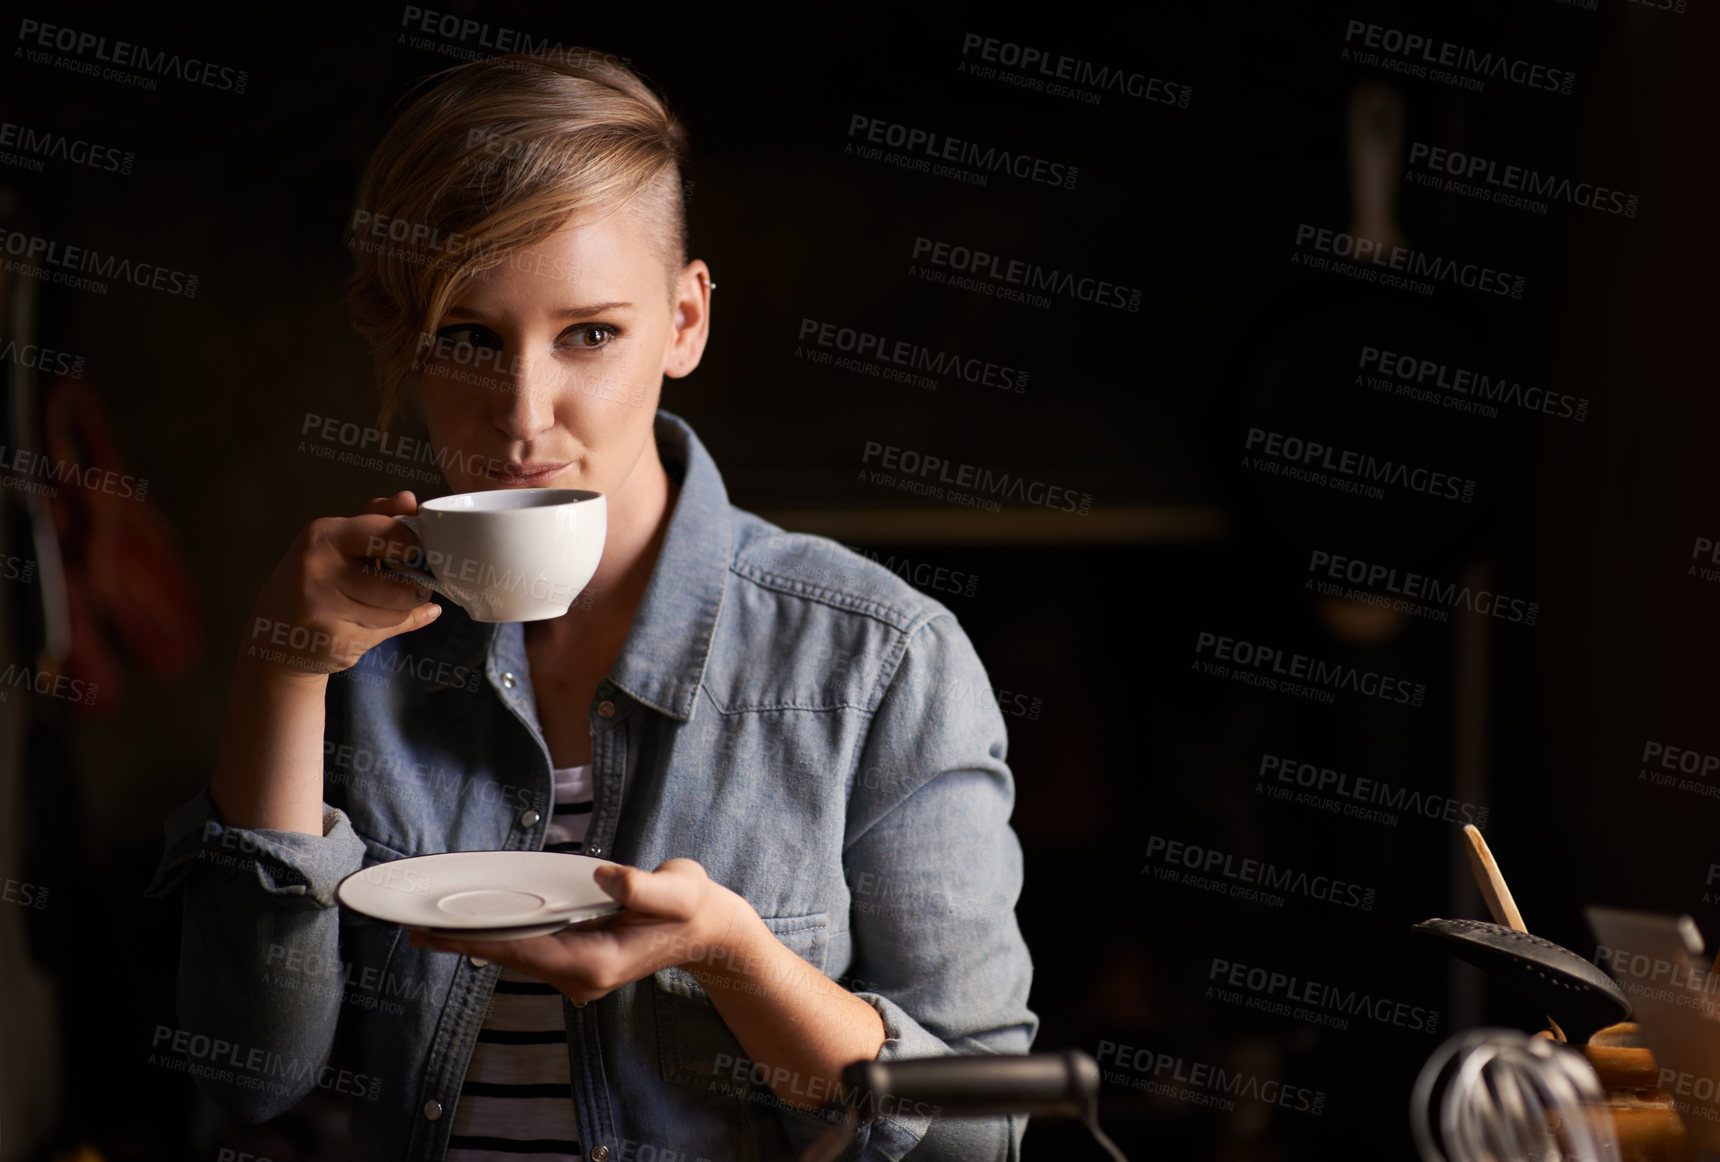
<point x="1025" y="528"/>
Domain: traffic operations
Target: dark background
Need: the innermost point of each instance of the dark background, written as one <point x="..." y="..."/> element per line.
<point x="1094" y="619"/>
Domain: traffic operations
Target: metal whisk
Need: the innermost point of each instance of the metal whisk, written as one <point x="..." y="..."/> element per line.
<point x="1500" y="1095"/>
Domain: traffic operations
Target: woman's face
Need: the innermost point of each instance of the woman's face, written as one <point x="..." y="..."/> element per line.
<point x="545" y="371"/>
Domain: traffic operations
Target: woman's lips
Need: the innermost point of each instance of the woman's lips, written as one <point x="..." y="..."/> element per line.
<point x="527" y="475"/>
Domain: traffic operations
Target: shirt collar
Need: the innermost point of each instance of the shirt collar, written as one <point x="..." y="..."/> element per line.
<point x="662" y="662"/>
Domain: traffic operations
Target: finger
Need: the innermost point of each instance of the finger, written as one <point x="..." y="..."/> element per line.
<point x="670" y="892"/>
<point x="400" y="504"/>
<point x="613" y="878"/>
<point x="551" y="957"/>
<point x="582" y="966"/>
<point x="382" y="624"/>
<point x="417" y="617"/>
<point x="541" y="957"/>
<point x="375" y="535"/>
<point x="379" y="587"/>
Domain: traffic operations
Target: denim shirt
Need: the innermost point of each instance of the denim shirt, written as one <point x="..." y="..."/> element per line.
<point x="818" y="734"/>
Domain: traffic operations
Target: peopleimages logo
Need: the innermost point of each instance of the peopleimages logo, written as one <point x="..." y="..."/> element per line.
<point x="1513" y="185"/>
<point x="1200" y="1083"/>
<point x="1054" y="68"/>
<point x="1310" y="1001"/>
<point x="1416" y="55"/>
<point x="362" y="986"/>
<point x="907" y="354"/>
<point x="349" y="442"/>
<point x="1705" y="548"/>
<point x="941" y="147"/>
<point x="1410" y="592"/>
<point x="990" y="269"/>
<point x="35" y="145"/>
<point x="1277" y="669"/>
<point x="19" y="465"/>
<point x="416" y="242"/>
<point x="61" y="265"/>
<point x="912" y="465"/>
<point x="345" y="764"/>
<point x="77" y="691"/>
<point x="1460" y="388"/>
<point x="1655" y="978"/>
<point x="1247" y="879"/>
<point x="124" y="54"/>
<point x="1296" y="458"/>
<point x="252" y="1067"/>
<point x="25" y="895"/>
<point x="1309" y="785"/>
<point x="453" y="30"/>
<point x="43" y="359"/>
<point x="1664" y="762"/>
<point x="1406" y="264"/>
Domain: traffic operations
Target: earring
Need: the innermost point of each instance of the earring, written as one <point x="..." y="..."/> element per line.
<point x="707" y="281"/>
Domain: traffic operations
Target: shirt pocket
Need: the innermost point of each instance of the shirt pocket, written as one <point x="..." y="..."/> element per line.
<point x="694" y="1045"/>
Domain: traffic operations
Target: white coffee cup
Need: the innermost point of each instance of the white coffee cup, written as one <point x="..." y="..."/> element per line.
<point x="511" y="554"/>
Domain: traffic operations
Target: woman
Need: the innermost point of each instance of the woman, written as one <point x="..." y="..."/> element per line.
<point x="769" y="738"/>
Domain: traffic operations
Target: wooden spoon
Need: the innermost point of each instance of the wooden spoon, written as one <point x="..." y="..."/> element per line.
<point x="1491" y="881"/>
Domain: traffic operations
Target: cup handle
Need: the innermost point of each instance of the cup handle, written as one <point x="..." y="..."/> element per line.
<point x="422" y="576"/>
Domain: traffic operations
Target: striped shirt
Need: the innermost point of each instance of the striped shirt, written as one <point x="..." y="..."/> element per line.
<point x="517" y="1099"/>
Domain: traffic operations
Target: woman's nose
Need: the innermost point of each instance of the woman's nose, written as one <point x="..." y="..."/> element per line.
<point x="527" y="406"/>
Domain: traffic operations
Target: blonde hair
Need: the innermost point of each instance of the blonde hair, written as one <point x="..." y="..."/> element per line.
<point x="494" y="158"/>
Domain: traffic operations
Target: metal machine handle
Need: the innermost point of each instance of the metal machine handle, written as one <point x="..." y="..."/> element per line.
<point x="1050" y="1085"/>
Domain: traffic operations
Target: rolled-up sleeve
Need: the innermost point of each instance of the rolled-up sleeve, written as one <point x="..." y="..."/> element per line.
<point x="935" y="870"/>
<point x="259" y="905"/>
<point x="286" y="863"/>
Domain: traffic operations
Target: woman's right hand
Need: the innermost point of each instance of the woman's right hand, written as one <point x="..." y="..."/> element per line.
<point x="328" y="601"/>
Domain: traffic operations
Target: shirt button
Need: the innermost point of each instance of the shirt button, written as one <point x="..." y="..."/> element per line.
<point x="508" y="681"/>
<point x="478" y="962"/>
<point x="605" y="709"/>
<point x="594" y="849"/>
<point x="529" y="818"/>
<point x="432" y="1110"/>
<point x="599" y="1153"/>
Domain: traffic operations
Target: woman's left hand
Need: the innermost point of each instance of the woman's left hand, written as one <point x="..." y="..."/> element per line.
<point x="674" y="915"/>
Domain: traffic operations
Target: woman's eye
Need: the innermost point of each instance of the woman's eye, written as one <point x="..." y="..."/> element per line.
<point x="468" y="335"/>
<point x="593" y="336"/>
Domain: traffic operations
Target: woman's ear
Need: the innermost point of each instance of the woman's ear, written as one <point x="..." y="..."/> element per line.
<point x="692" y="321"/>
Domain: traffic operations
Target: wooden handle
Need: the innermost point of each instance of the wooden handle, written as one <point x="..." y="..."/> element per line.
<point x="1491" y="882"/>
<point x="1624" y="1035"/>
<point x="1623" y="1068"/>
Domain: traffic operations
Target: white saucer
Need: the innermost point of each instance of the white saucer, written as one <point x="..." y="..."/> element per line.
<point x="481" y="895"/>
<point x="523" y="932"/>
